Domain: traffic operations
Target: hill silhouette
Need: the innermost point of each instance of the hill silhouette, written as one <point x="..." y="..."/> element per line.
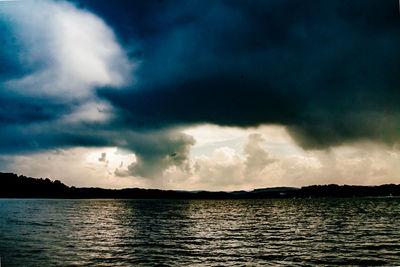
<point x="19" y="186"/>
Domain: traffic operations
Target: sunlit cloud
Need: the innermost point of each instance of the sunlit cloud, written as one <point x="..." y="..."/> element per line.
<point x="221" y="168"/>
<point x="77" y="51"/>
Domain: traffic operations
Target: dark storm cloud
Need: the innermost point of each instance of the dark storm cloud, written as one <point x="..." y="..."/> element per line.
<point x="156" y="152"/>
<point x="20" y="110"/>
<point x="326" y="69"/>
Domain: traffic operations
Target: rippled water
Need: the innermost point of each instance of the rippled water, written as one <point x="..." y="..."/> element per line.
<point x="199" y="232"/>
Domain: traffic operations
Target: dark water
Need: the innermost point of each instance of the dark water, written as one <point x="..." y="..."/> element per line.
<point x="199" y="232"/>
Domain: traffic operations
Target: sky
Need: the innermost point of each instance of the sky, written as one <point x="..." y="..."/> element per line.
<point x="201" y="94"/>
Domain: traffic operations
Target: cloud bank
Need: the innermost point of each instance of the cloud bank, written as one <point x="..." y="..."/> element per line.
<point x="326" y="70"/>
<point x="224" y="169"/>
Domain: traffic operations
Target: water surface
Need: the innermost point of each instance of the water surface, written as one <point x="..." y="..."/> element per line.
<point x="45" y="232"/>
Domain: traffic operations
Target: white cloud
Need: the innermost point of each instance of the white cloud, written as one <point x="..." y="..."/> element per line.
<point x="224" y="169"/>
<point x="66" y="53"/>
<point x="209" y="137"/>
<point x="75" y="166"/>
<point x="254" y="167"/>
<point x="74" y="50"/>
<point x="257" y="158"/>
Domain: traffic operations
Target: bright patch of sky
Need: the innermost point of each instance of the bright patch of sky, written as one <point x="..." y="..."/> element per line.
<point x="223" y="158"/>
<point x="210" y="137"/>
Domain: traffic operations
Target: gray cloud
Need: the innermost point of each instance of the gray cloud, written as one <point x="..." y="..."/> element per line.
<point x="156" y="152"/>
<point x="257" y="158"/>
<point x="103" y="157"/>
<point x="326" y="70"/>
<point x="63" y="54"/>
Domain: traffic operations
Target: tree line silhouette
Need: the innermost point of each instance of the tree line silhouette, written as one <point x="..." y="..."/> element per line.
<point x="19" y="186"/>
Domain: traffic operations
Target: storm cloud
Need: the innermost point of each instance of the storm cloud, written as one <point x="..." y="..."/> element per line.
<point x="325" y="69"/>
<point x="133" y="74"/>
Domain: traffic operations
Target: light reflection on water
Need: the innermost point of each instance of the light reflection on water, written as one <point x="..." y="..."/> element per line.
<point x="199" y="232"/>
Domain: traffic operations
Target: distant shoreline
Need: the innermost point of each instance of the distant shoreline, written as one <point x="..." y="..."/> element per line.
<point x="19" y="186"/>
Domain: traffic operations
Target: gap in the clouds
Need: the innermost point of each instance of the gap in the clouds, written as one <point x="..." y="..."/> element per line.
<point x="210" y="137"/>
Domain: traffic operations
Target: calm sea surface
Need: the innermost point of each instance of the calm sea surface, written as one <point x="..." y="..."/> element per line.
<point x="199" y="232"/>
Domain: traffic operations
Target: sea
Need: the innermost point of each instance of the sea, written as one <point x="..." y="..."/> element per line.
<point x="270" y="232"/>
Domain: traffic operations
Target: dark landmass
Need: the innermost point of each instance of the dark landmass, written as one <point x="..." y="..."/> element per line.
<point x="14" y="186"/>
